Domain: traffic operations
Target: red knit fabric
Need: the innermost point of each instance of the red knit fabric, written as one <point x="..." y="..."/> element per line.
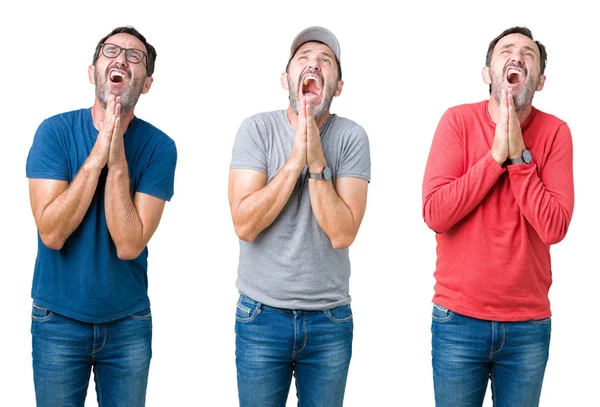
<point x="495" y="225"/>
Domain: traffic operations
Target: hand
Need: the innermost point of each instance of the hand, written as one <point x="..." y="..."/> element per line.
<point x="315" y="159"/>
<point x="515" y="137"/>
<point x="99" y="154"/>
<point x="298" y="156"/>
<point x="500" y="144"/>
<point x="116" y="154"/>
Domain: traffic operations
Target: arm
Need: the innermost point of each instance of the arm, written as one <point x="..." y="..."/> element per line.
<point x="340" y="210"/>
<point x="254" y="204"/>
<point x="547" y="199"/>
<point x="131" y="222"/>
<point x="451" y="191"/>
<point x="58" y="207"/>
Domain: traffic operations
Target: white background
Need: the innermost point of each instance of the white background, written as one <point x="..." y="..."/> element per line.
<point x="403" y="66"/>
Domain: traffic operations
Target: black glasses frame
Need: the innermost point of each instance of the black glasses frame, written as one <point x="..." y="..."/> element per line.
<point x="127" y="52"/>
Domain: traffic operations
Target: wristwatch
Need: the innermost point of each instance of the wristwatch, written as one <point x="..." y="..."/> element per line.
<point x="525" y="158"/>
<point x="325" y="175"/>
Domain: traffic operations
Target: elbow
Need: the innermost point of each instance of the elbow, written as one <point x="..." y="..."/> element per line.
<point x="245" y="233"/>
<point x="52" y="240"/>
<point x="128" y="252"/>
<point x="435" y="224"/>
<point x="343" y="241"/>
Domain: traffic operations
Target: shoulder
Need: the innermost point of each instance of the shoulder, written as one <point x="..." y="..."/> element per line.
<point x="348" y="126"/>
<point x="150" y="132"/>
<point x="547" y="118"/>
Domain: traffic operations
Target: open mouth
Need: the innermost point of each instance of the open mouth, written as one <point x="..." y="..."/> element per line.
<point x="311" y="86"/>
<point x="116" y="76"/>
<point x="515" y="76"/>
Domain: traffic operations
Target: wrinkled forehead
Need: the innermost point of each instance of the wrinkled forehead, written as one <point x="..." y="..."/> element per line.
<point x="314" y="47"/>
<point x="512" y="41"/>
<point x="124" y="40"/>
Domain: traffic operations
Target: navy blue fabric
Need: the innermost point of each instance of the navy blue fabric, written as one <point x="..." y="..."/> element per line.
<point x="85" y="280"/>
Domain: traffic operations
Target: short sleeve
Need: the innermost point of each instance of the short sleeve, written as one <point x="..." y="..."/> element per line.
<point x="356" y="156"/>
<point x="249" y="149"/>
<point x="158" y="178"/>
<point x="47" y="157"/>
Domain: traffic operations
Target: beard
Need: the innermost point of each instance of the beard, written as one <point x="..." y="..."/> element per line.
<point x="129" y="96"/>
<point x="322" y="108"/>
<point x="524" y="97"/>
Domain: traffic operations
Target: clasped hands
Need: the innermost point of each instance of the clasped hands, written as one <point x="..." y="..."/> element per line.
<point x="508" y="139"/>
<point x="307" y="150"/>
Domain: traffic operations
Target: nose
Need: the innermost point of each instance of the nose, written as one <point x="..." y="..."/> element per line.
<point x="121" y="59"/>
<point x="517" y="57"/>
<point x="314" y="64"/>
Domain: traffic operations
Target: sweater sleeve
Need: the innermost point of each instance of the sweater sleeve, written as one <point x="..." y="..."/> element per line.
<point x="452" y="188"/>
<point x="546" y="196"/>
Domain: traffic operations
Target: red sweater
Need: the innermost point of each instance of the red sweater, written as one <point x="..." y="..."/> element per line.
<point x="495" y="225"/>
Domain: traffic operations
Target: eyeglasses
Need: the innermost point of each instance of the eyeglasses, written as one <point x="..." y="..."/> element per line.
<point x="135" y="56"/>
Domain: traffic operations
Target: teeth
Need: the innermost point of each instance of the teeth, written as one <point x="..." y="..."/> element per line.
<point x="115" y="73"/>
<point x="310" y="78"/>
<point x="511" y="71"/>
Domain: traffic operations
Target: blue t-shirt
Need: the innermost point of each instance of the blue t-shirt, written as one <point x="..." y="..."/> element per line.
<point x="85" y="280"/>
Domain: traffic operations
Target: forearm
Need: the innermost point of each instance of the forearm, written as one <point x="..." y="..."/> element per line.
<point x="332" y="214"/>
<point x="252" y="214"/>
<point x="59" y="219"/>
<point x="548" y="209"/>
<point x="122" y="219"/>
<point x="447" y="200"/>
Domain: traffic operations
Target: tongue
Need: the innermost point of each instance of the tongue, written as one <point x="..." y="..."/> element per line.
<point x="513" y="78"/>
<point x="311" y="89"/>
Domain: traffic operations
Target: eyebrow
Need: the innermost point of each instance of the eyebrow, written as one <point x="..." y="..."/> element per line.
<point x="512" y="45"/>
<point x="322" y="53"/>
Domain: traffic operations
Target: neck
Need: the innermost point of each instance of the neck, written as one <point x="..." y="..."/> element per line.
<point x="293" y="118"/>
<point x="98" y="113"/>
<point x="494" y="111"/>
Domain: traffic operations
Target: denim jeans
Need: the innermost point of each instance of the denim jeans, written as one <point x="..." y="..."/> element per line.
<point x="65" y="351"/>
<point x="466" y="352"/>
<point x="273" y="343"/>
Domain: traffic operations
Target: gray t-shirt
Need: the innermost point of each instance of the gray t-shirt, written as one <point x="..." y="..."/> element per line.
<point x="291" y="264"/>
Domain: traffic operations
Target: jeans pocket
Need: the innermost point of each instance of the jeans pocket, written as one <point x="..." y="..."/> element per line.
<point x="40" y="314"/>
<point x="142" y="315"/>
<point x="441" y="314"/>
<point x="247" y="309"/>
<point x="340" y="315"/>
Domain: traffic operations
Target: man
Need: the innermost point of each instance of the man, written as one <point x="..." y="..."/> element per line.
<point x="98" y="182"/>
<point x="498" y="190"/>
<point x="297" y="192"/>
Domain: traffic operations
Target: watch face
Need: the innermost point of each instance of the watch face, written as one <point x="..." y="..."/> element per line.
<point x="527" y="156"/>
<point x="327" y="173"/>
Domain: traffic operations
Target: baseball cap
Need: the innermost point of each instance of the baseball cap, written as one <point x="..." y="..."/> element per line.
<point x="319" y="34"/>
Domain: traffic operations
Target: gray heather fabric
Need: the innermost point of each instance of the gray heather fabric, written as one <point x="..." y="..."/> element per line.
<point x="291" y="264"/>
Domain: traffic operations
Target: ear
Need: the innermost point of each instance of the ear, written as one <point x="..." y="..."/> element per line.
<point x="91" y="76"/>
<point x="284" y="81"/>
<point x="485" y="74"/>
<point x="541" y="82"/>
<point x="147" y="84"/>
<point x="338" y="89"/>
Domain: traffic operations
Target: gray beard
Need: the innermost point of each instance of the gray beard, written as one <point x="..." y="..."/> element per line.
<point x="129" y="97"/>
<point x="523" y="99"/>
<point x="318" y="111"/>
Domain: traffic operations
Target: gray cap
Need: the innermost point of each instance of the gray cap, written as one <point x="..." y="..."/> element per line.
<point x="319" y="34"/>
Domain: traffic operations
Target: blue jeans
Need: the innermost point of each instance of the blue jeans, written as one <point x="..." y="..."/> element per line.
<point x="65" y="351"/>
<point x="273" y="343"/>
<point x="466" y="352"/>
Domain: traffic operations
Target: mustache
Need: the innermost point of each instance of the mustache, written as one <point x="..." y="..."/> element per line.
<point x="515" y="65"/>
<point x="120" y="68"/>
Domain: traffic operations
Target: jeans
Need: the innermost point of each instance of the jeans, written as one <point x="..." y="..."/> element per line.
<point x="466" y="352"/>
<point x="65" y="351"/>
<point x="272" y="344"/>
